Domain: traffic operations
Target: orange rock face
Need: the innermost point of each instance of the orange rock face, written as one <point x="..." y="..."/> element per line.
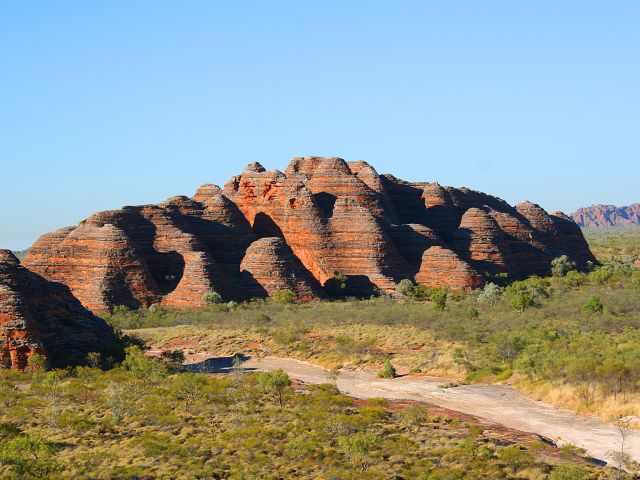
<point x="39" y="316"/>
<point x="269" y="265"/>
<point x="442" y="267"/>
<point x="269" y="230"/>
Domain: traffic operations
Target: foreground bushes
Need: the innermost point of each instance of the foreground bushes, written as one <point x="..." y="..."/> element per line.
<point x="143" y="420"/>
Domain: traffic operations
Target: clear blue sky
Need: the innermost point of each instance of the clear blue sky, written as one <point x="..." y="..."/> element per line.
<point x="104" y="104"/>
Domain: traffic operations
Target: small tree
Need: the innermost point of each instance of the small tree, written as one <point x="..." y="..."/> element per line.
<point x="189" y="387"/>
<point x="212" y="297"/>
<point x="357" y="448"/>
<point x="620" y="456"/>
<point x="490" y="294"/>
<point x="149" y="370"/>
<point x="439" y="299"/>
<point x="412" y="417"/>
<point x="388" y="370"/>
<point x="404" y="288"/>
<point x="333" y="375"/>
<point x="36" y="362"/>
<point x="285" y="297"/>
<point x="274" y="383"/>
<point x="29" y="455"/>
<point x="562" y="265"/>
<point x="593" y="305"/>
<point x="94" y="360"/>
<point x="120" y="402"/>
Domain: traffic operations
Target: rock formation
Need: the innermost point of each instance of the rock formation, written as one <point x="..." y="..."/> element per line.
<point x="39" y="316"/>
<point x="269" y="265"/>
<point x="271" y="230"/>
<point x="607" y="216"/>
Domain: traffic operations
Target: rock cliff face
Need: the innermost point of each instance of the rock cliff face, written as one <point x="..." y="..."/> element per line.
<point x="39" y="316"/>
<point x="607" y="216"/>
<point x="271" y="230"/>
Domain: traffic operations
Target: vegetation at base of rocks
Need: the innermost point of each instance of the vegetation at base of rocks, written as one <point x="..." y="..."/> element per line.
<point x="571" y="340"/>
<point x="284" y="296"/>
<point x="143" y="419"/>
<point x="212" y="297"/>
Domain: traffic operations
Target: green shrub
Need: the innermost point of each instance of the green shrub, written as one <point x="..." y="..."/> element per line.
<point x="404" y="288"/>
<point x="562" y="265"/>
<point x="490" y="294"/>
<point x="274" y="383"/>
<point x="357" y="448"/>
<point x="285" y="297"/>
<point x="593" y="305"/>
<point x="30" y="455"/>
<point x="387" y="371"/>
<point x="212" y="297"/>
<point x="574" y="278"/>
<point x="568" y="472"/>
<point x="439" y="299"/>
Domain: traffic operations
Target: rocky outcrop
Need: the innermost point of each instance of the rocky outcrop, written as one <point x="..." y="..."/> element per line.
<point x="269" y="266"/>
<point x="270" y="230"/>
<point x="43" y="317"/>
<point x="607" y="216"/>
<point x="441" y="267"/>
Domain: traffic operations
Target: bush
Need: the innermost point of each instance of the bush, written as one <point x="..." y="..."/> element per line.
<point x="357" y="448"/>
<point x="491" y="293"/>
<point x="594" y="305"/>
<point x="568" y="472"/>
<point x="562" y="265"/>
<point x="336" y="287"/>
<point x="388" y="370"/>
<point x="284" y="296"/>
<point x="439" y="299"/>
<point x="405" y="288"/>
<point x="274" y="383"/>
<point x="29" y="455"/>
<point x="212" y="297"/>
<point x="527" y="293"/>
<point x="574" y="278"/>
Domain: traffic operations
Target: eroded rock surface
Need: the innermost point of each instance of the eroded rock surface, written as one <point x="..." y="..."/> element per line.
<point x="268" y="230"/>
<point x="43" y="317"/>
<point x="269" y="266"/>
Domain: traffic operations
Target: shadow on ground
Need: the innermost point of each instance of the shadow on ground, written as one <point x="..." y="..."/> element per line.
<point x="219" y="365"/>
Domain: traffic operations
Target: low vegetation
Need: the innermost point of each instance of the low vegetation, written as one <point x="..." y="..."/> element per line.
<point x="571" y="339"/>
<point x="619" y="242"/>
<point x="143" y="419"/>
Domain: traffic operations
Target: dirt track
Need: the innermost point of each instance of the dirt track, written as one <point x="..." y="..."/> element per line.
<point x="499" y="404"/>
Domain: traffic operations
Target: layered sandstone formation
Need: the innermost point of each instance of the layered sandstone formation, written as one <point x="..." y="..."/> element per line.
<point x="270" y="230"/>
<point x="39" y="316"/>
<point x="269" y="266"/>
<point x="608" y="216"/>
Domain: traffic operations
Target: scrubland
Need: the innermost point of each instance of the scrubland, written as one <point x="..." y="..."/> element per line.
<point x="572" y="339"/>
<point x="143" y="420"/>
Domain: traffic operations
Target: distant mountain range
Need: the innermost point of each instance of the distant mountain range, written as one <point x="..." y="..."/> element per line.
<point x="607" y="216"/>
